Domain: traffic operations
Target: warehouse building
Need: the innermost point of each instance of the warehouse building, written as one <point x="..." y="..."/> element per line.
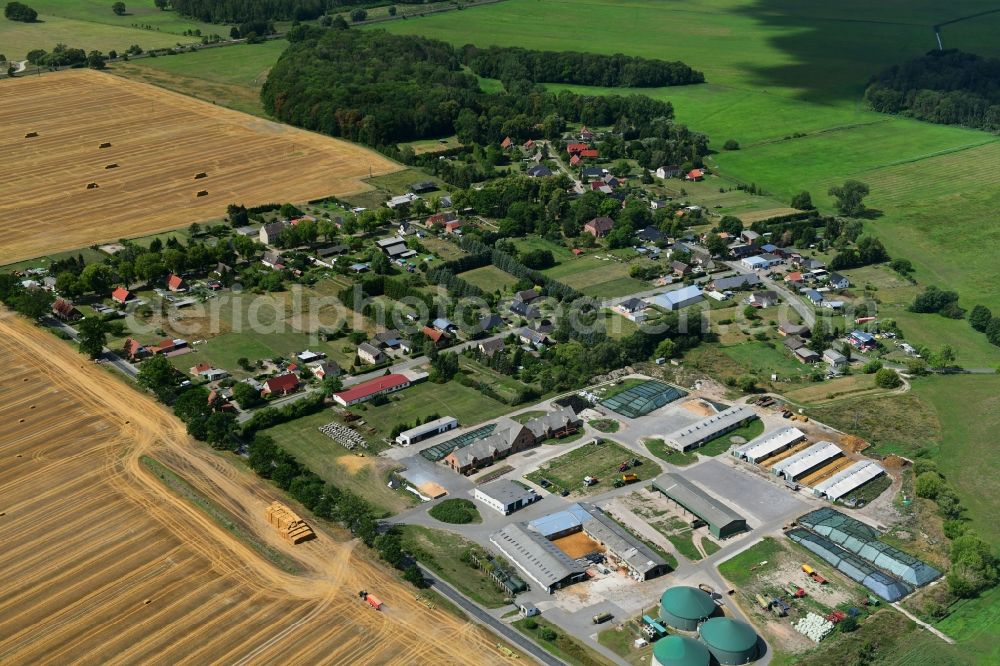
<point x="681" y="298"/>
<point x="539" y="559"/>
<point x="849" y="479"/>
<point x="704" y="431"/>
<point x="769" y="444"/>
<point x="426" y="431"/>
<point x="685" y="607"/>
<point x="368" y="390"/>
<point x="505" y="496"/>
<point x="641" y="561"/>
<point x="722" y="521"/>
<point x="677" y="650"/>
<point x="807" y="461"/>
<point x="729" y="641"/>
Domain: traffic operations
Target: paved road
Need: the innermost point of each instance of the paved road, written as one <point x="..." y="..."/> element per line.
<point x="805" y="311"/>
<point x="497" y="626"/>
<point x="108" y="356"/>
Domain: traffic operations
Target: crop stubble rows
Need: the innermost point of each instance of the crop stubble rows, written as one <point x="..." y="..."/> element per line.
<point x="90" y="537"/>
<point x="160" y="140"/>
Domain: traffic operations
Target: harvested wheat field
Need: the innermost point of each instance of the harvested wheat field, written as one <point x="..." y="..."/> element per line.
<point x="101" y="563"/>
<point x="159" y="142"/>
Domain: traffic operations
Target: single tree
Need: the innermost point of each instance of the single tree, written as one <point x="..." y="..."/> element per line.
<point x="17" y="11"/>
<point x="118" y="8"/>
<point x="850" y="197"/>
<point x="161" y="4"/>
<point x="802" y="201"/>
<point x="359" y="15"/>
<point x="93" y="336"/>
<point x="732" y="144"/>
<point x="980" y="318"/>
<point x="888" y="378"/>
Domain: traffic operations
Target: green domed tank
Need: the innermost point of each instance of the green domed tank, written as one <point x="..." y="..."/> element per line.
<point x="675" y="650"/>
<point x="729" y="641"/>
<point x="683" y="607"/>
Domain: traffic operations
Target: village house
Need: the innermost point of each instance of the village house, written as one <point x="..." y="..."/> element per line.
<point x="273" y="259"/>
<point x="763" y="299"/>
<point x="326" y="368"/>
<point x="679" y="268"/>
<point x="401" y="201"/>
<point x="532" y="337"/>
<point x="65" y="310"/>
<point x="440" y="219"/>
<point x="121" y="295"/>
<point x="280" y="385"/>
<point x="787" y="328"/>
<point x="806" y="355"/>
<point x="542" y="171"/>
<point x="695" y="175"/>
<point x="835" y="359"/>
<point x="369" y="353"/>
<point x="672" y="171"/>
<point x="491" y="347"/>
<point x="133" y="350"/>
<point x="439" y="338"/>
<point x="394" y="248"/>
<point x="269" y="233"/>
<point x="599" y="226"/>
<point x="838" y="281"/>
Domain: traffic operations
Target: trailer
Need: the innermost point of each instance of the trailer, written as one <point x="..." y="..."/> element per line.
<point x="372" y="600"/>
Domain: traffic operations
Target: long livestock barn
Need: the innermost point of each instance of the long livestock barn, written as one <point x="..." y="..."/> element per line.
<point x="539" y="559"/>
<point x="722" y="521"/>
<point x="769" y="444"/>
<point x="809" y="460"/>
<point x="704" y="431"/>
<point x="849" y="479"/>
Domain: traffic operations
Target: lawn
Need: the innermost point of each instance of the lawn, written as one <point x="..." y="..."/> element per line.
<point x="490" y="279"/>
<point x="455" y="511"/>
<point x="366" y="476"/>
<point x="467" y="405"/>
<point x="557" y="641"/>
<point x="621" y="641"/>
<point x="597" y="458"/>
<point x="684" y="543"/>
<point x="741" y="568"/>
<point x="599" y="273"/>
<point x="659" y="448"/>
<point x="441" y="552"/>
<point x="230" y="76"/>
<point x="720" y="445"/>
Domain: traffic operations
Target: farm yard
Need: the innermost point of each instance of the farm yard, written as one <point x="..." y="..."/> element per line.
<point x="112" y="565"/>
<point x="597" y="458"/>
<point x="159" y="142"/>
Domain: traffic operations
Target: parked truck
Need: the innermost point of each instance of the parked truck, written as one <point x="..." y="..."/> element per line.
<point x="601" y="618"/>
<point x="625" y="480"/>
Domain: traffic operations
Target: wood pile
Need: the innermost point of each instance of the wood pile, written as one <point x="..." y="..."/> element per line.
<point x="291" y="528"/>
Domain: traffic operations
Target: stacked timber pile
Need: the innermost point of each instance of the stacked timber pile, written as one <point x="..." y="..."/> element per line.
<point x="291" y="528"/>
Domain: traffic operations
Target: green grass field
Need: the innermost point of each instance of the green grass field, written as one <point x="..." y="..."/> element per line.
<point x="335" y="464"/>
<point x="441" y="552"/>
<point x="229" y="76"/>
<point x="563" y="645"/>
<point x="467" y="405"/>
<point x="592" y="459"/>
<point x="90" y="24"/>
<point x="490" y="279"/>
<point x="659" y="448"/>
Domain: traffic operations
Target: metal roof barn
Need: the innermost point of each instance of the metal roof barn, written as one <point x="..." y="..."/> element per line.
<point x="849" y="479"/>
<point x="722" y="521"/>
<point x="803" y="462"/>
<point x="769" y="444"/>
<point x="710" y="427"/>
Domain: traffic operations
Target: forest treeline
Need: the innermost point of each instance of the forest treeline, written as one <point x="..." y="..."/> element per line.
<point x="585" y="69"/>
<point x="948" y="87"/>
<point x="242" y="11"/>
<point x="379" y="89"/>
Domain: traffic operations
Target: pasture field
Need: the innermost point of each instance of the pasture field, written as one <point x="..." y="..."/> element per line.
<point x="90" y="24"/>
<point x="112" y="566"/>
<point x="490" y="279"/>
<point x="230" y="76"/>
<point x="777" y="69"/>
<point x="598" y="273"/>
<point x="159" y="141"/>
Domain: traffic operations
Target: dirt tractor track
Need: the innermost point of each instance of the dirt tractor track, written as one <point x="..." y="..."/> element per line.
<point x="101" y="563"/>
